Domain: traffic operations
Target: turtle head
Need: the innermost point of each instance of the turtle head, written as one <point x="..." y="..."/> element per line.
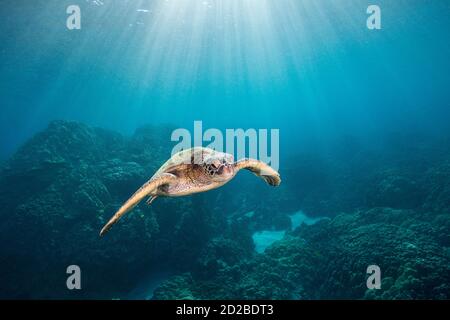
<point x="219" y="166"/>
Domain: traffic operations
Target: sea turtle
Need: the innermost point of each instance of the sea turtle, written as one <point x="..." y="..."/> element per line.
<point x="191" y="171"/>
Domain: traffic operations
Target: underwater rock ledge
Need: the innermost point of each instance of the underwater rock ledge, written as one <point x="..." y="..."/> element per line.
<point x="61" y="186"/>
<point x="328" y="260"/>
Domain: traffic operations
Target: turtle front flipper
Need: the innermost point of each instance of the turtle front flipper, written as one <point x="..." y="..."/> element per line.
<point x="260" y="169"/>
<point x="148" y="188"/>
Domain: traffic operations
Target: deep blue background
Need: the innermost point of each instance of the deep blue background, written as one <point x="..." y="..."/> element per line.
<point x="310" y="68"/>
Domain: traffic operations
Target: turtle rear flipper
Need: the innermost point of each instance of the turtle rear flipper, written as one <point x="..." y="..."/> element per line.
<point x="147" y="189"/>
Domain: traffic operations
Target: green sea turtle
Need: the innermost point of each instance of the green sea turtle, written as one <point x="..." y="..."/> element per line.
<point x="192" y="171"/>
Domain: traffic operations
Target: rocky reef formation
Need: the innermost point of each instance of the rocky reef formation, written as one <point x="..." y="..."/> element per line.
<point x="388" y="208"/>
<point x="328" y="260"/>
<point x="59" y="189"/>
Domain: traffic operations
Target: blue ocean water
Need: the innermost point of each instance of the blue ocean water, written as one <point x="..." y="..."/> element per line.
<point x="363" y="115"/>
<point x="310" y="68"/>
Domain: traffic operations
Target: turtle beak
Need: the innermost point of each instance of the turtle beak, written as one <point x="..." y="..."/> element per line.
<point x="227" y="170"/>
<point x="220" y="171"/>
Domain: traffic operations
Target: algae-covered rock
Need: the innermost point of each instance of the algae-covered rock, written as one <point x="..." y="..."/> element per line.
<point x="58" y="190"/>
<point x="387" y="208"/>
<point x="328" y="260"/>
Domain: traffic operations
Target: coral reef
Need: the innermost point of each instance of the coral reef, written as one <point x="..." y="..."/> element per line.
<point x="61" y="187"/>
<point x="387" y="206"/>
<point x="328" y="260"/>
